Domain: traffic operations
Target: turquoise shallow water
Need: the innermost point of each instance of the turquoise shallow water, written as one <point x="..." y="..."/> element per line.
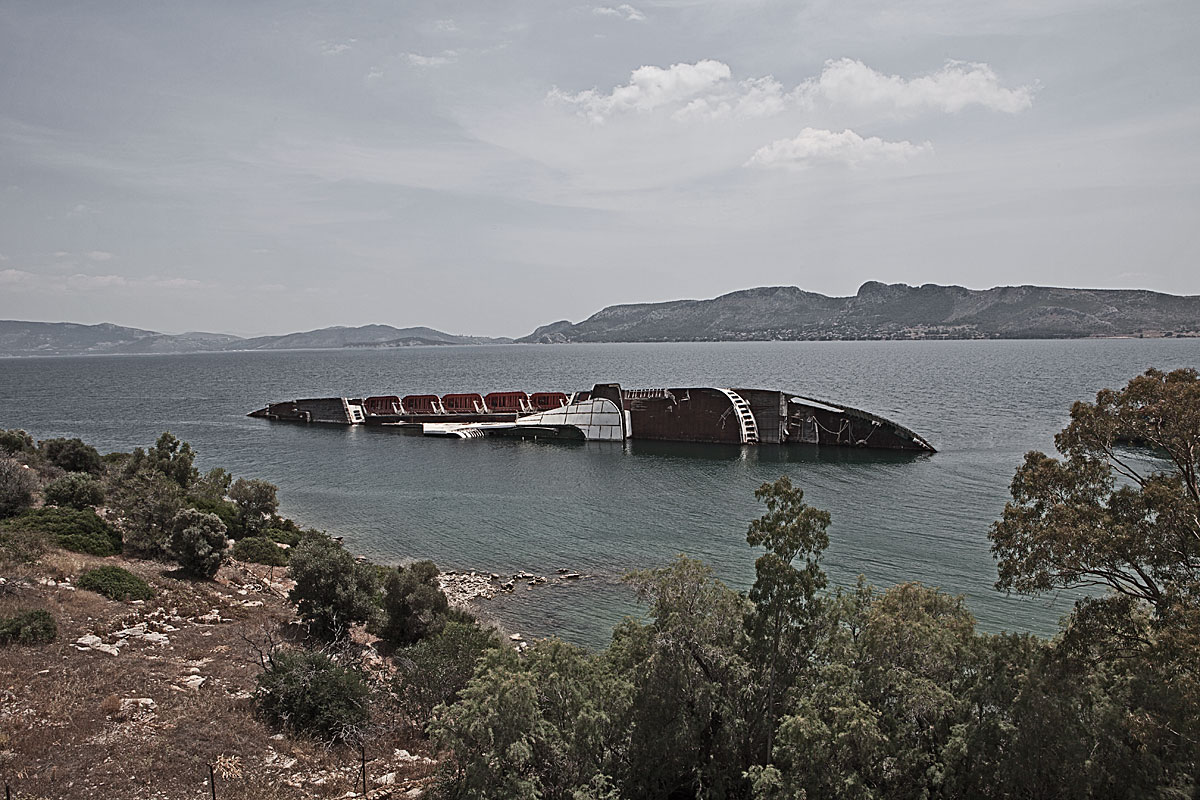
<point x="604" y="509"/>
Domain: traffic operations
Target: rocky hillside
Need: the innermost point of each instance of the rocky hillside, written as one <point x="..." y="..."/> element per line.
<point x="895" y="311"/>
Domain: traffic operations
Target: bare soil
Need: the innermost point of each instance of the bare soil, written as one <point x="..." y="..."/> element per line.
<point x="176" y="698"/>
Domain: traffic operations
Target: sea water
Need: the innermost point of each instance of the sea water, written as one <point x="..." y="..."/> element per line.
<point x="603" y="509"/>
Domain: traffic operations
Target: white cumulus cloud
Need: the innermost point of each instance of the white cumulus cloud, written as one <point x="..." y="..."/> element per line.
<point x="99" y="255"/>
<point x="649" y="88"/>
<point x="816" y="146"/>
<point x="624" y="11"/>
<point x="754" y="97"/>
<point x="955" y="86"/>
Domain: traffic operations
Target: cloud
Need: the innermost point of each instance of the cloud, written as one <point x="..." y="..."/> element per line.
<point x="755" y="97"/>
<point x="625" y="11"/>
<point x="955" y="86"/>
<point x="99" y="255"/>
<point x="418" y="60"/>
<point x="81" y="283"/>
<point x="705" y="91"/>
<point x="648" y="88"/>
<point x="336" y="48"/>
<point x="816" y="146"/>
<point x="445" y="25"/>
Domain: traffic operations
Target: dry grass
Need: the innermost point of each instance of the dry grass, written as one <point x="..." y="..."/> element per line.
<point x="70" y="726"/>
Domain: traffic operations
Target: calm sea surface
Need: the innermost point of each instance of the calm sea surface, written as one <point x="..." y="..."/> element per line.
<point x="603" y="509"/>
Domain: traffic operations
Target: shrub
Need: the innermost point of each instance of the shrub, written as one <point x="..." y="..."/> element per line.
<point x="197" y="543"/>
<point x="21" y="545"/>
<point x="72" y="455"/>
<point x="225" y="510"/>
<point x="148" y="502"/>
<point x="332" y="590"/>
<point x="79" y="531"/>
<point x="115" y="584"/>
<point x="260" y="550"/>
<point x="415" y="605"/>
<point x="75" y="490"/>
<point x="256" y="500"/>
<point x="284" y="536"/>
<point x="17" y="483"/>
<point x="311" y="694"/>
<point x="15" y="441"/>
<point x="436" y="669"/>
<point x="28" y="627"/>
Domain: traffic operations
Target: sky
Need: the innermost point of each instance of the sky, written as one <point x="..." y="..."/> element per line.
<point x="487" y="167"/>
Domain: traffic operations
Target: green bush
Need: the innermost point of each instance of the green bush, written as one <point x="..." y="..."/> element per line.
<point x="147" y="502"/>
<point x="28" y="627"/>
<point x="75" y="490"/>
<point x="332" y="591"/>
<point x="15" y="441"/>
<point x="311" y="694"/>
<point x="17" y="483"/>
<point x="257" y="501"/>
<point x="79" y="531"/>
<point x="260" y="550"/>
<point x="224" y="509"/>
<point x="436" y="669"/>
<point x="198" y="543"/>
<point x="72" y="455"/>
<point x="21" y="545"/>
<point x="115" y="584"/>
<point x="415" y="605"/>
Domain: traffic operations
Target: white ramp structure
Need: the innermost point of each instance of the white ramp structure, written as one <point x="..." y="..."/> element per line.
<point x="594" y="420"/>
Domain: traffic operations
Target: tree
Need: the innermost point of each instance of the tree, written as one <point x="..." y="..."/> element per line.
<point x="1121" y="510"/>
<point x="414" y="603"/>
<point x="212" y="487"/>
<point x="1113" y="513"/>
<point x="147" y="502"/>
<point x="257" y="502"/>
<point x="173" y="458"/>
<point x="332" y="591"/>
<point x="75" y="490"/>
<point x="782" y="624"/>
<point x="72" y="455"/>
<point x="17" y="483"/>
<point x="197" y="542"/>
<point x="433" y="671"/>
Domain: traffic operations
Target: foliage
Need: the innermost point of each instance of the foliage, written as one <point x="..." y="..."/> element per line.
<point x="28" y="627"/>
<point x="74" y="490"/>
<point x="332" y="591"/>
<point x="15" y="441"/>
<point x="538" y="726"/>
<point x="79" y="531"/>
<point x="72" y="455"/>
<point x="433" y="671"/>
<point x="415" y="605"/>
<point x="260" y="550"/>
<point x="147" y="501"/>
<point x="22" y="545"/>
<point x="308" y="693"/>
<point x="212" y="486"/>
<point x="783" y="623"/>
<point x="115" y="583"/>
<point x="289" y="536"/>
<point x="17" y="484"/>
<point x="170" y="457"/>
<point x="197" y="542"/>
<point x="227" y="511"/>
<point x="257" y="502"/>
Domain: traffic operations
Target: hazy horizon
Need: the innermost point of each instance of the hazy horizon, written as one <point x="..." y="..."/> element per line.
<point x="484" y="169"/>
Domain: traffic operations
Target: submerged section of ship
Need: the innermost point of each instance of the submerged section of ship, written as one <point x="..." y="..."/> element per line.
<point x="610" y="413"/>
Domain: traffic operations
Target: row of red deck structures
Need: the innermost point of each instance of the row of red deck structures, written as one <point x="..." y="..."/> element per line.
<point x="468" y="403"/>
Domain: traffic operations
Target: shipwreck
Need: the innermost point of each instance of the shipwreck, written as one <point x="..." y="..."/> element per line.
<point x="608" y="412"/>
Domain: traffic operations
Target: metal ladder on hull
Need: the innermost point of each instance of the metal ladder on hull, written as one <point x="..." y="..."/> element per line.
<point x="746" y="421"/>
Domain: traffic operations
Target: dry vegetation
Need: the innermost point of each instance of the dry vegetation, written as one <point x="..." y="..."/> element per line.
<point x="148" y="722"/>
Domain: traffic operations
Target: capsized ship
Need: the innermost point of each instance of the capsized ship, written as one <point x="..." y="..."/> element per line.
<point x="610" y="413"/>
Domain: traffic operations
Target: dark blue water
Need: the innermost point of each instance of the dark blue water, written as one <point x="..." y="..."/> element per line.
<point x="603" y="509"/>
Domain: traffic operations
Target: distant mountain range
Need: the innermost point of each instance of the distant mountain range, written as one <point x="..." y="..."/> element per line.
<point x="68" y="338"/>
<point x="877" y="311"/>
<point x="889" y="311"/>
